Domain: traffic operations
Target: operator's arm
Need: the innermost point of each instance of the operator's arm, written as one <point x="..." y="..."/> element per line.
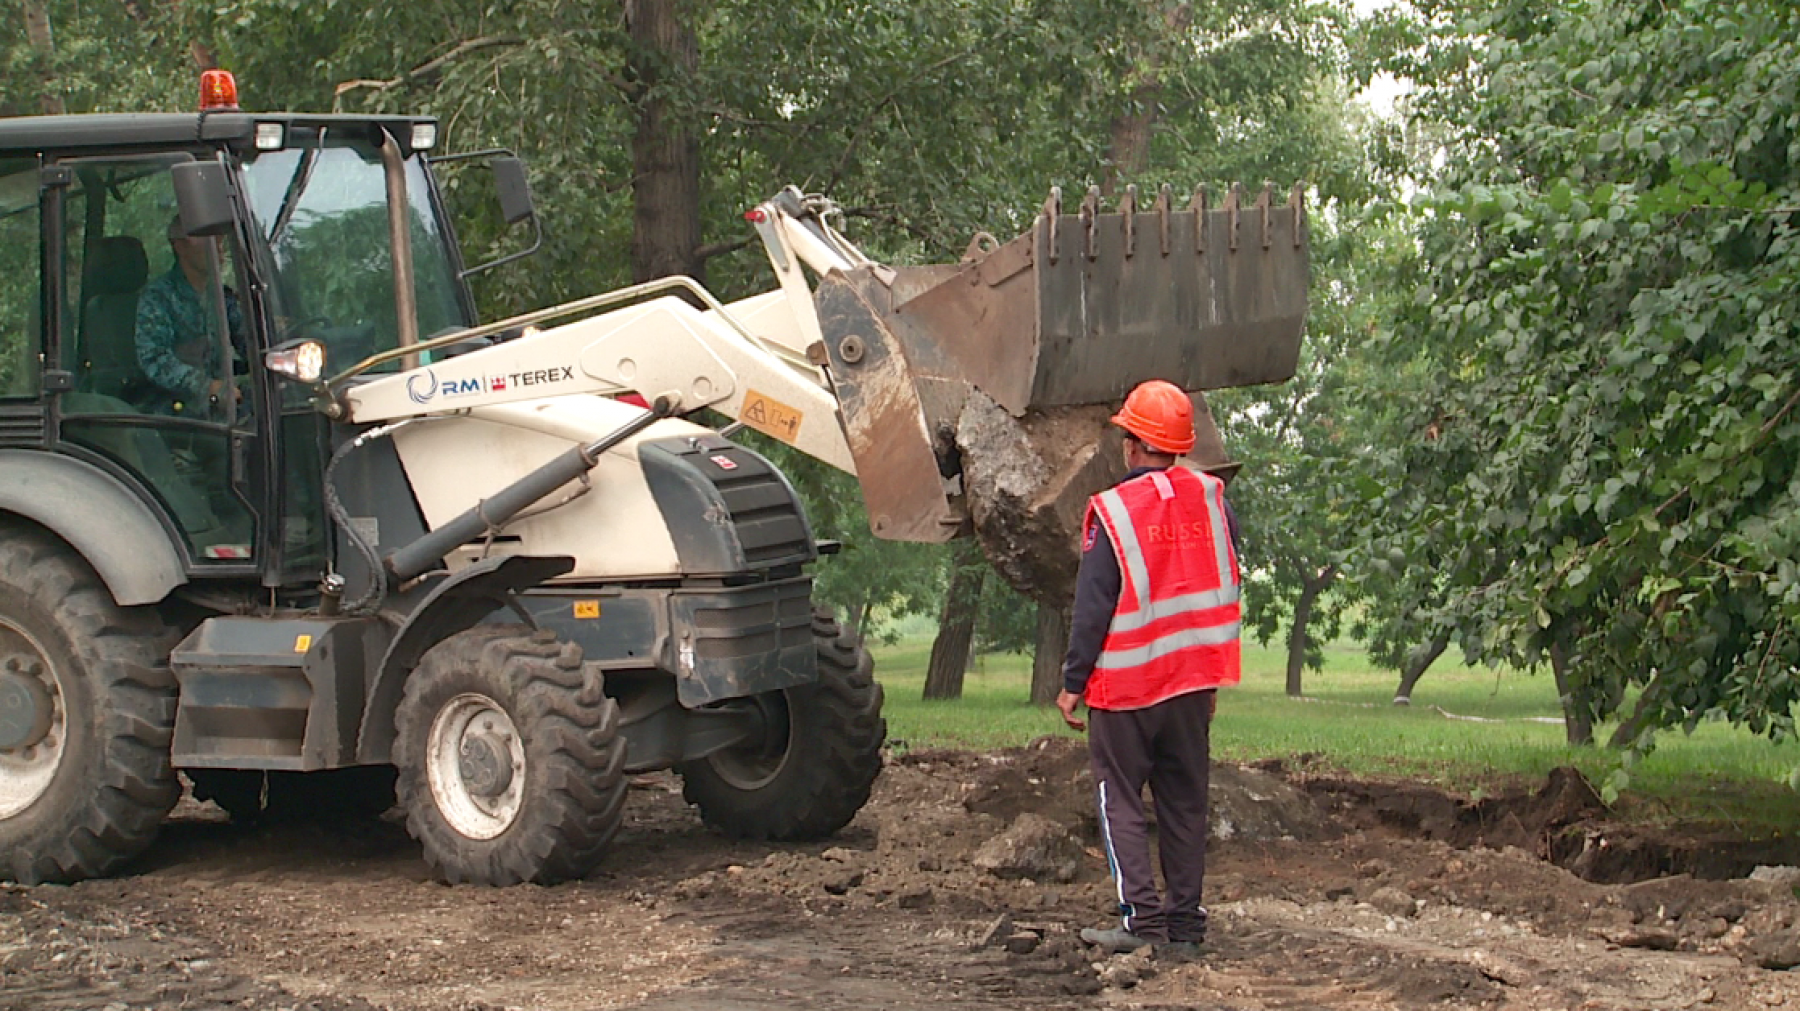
<point x="158" y="333"/>
<point x="1097" y="587"/>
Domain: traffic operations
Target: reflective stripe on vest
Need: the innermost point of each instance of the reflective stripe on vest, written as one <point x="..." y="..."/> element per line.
<point x="1201" y="615"/>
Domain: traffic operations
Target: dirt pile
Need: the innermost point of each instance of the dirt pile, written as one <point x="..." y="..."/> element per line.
<point x="1350" y="896"/>
<point x="1051" y="777"/>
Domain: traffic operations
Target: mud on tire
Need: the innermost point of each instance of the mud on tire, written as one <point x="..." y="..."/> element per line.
<point x="91" y="792"/>
<point x="511" y="763"/>
<point x="816" y="767"/>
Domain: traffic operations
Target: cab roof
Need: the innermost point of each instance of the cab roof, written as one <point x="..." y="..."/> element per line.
<point x="101" y="132"/>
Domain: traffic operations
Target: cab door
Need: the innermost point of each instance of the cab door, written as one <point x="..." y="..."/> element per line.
<point x="154" y="339"/>
<point x="21" y="304"/>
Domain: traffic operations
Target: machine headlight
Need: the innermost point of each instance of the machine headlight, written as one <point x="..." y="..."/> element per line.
<point x="424" y="136"/>
<point x="270" y="136"/>
<point x="303" y="360"/>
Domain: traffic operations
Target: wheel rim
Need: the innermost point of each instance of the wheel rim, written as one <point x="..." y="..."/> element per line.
<point x="756" y="764"/>
<point x="26" y="772"/>
<point x="475" y="763"/>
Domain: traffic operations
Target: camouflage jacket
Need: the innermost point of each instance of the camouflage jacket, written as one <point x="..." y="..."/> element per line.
<point x="178" y="345"/>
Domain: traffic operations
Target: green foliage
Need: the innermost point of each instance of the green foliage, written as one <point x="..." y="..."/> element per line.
<point x="926" y="121"/>
<point x="1605" y="310"/>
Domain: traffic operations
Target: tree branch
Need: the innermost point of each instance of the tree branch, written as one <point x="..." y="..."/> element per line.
<point x="888" y="218"/>
<point x="712" y="249"/>
<point x="429" y="67"/>
<point x="837" y="171"/>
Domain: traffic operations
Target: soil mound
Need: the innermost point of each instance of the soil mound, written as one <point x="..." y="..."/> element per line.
<point x="1051" y="777"/>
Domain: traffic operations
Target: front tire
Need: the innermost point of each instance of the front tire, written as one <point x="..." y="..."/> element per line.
<point x="814" y="768"/>
<point x="511" y="763"/>
<point x="85" y="780"/>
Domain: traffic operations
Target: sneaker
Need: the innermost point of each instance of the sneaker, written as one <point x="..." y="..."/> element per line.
<point x="1116" y="940"/>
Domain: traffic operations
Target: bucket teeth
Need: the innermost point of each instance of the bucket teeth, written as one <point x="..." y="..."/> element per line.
<point x="1090" y="222"/>
<point x="1091" y="210"/>
<point x="1128" y="211"/>
<point x="1130" y="200"/>
<point x="1199" y="208"/>
<point x="1165" y="199"/>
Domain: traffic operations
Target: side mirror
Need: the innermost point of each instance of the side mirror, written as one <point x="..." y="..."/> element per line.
<point x="514" y="189"/>
<point x="203" y="198"/>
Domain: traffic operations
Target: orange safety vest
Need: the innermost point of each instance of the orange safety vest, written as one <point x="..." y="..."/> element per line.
<point x="1175" y="629"/>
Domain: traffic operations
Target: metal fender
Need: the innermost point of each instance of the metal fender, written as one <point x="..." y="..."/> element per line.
<point x="459" y="602"/>
<point x="115" y="530"/>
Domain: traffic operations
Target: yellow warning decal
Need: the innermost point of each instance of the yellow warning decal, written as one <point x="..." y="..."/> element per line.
<point x="302" y="643"/>
<point x="770" y="416"/>
<point x="587" y="609"/>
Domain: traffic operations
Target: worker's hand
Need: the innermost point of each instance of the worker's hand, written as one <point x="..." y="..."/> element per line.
<point x="1067" y="701"/>
<point x="1212" y="705"/>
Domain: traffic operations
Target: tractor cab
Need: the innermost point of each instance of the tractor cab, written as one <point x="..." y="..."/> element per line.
<point x="150" y="265"/>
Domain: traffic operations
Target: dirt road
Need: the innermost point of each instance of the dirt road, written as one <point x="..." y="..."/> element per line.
<point x="1324" y="894"/>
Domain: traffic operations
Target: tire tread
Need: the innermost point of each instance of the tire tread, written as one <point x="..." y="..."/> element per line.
<point x="123" y="651"/>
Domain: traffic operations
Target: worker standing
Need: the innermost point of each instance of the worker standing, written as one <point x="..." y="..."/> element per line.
<point x="1154" y="634"/>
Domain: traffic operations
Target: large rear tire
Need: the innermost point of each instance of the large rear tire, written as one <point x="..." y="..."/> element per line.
<point x="85" y="780"/>
<point x="814" y="767"/>
<point x="511" y="762"/>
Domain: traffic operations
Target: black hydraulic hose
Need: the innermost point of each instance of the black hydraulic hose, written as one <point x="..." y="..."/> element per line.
<point x="490" y="514"/>
<point x="370" y="598"/>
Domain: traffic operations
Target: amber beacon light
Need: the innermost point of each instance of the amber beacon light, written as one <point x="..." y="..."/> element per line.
<point x="218" y="91"/>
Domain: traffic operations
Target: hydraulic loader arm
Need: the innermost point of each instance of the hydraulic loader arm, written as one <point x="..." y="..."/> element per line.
<point x="747" y="360"/>
<point x="660" y="347"/>
<point x="965" y="395"/>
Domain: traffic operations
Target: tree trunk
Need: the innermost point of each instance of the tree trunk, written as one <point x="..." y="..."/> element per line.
<point x="43" y="47"/>
<point x="1578" y="718"/>
<point x="1047" y="657"/>
<point x="665" y="153"/>
<point x="1133" y="129"/>
<point x="1419" y="660"/>
<point x="858" y="612"/>
<point x="1629" y="730"/>
<point x="956" y="633"/>
<point x="1303" y="609"/>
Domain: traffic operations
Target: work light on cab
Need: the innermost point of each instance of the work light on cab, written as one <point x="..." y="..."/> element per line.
<point x="303" y="360"/>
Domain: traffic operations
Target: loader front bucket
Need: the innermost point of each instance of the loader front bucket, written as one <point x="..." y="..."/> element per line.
<point x="1053" y="327"/>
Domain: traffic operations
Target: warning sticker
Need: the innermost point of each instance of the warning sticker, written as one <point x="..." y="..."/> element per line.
<point x="302" y="643"/>
<point x="587" y="609"/>
<point x="770" y="416"/>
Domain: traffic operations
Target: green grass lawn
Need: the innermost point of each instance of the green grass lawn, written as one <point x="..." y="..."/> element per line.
<point x="1717" y="774"/>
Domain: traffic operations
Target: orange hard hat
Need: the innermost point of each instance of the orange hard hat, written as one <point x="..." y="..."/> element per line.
<point x="1160" y="415"/>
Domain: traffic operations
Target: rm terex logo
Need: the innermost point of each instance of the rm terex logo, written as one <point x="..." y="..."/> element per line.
<point x="422" y="387"/>
<point x="542" y="377"/>
<point x="426" y="387"/>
